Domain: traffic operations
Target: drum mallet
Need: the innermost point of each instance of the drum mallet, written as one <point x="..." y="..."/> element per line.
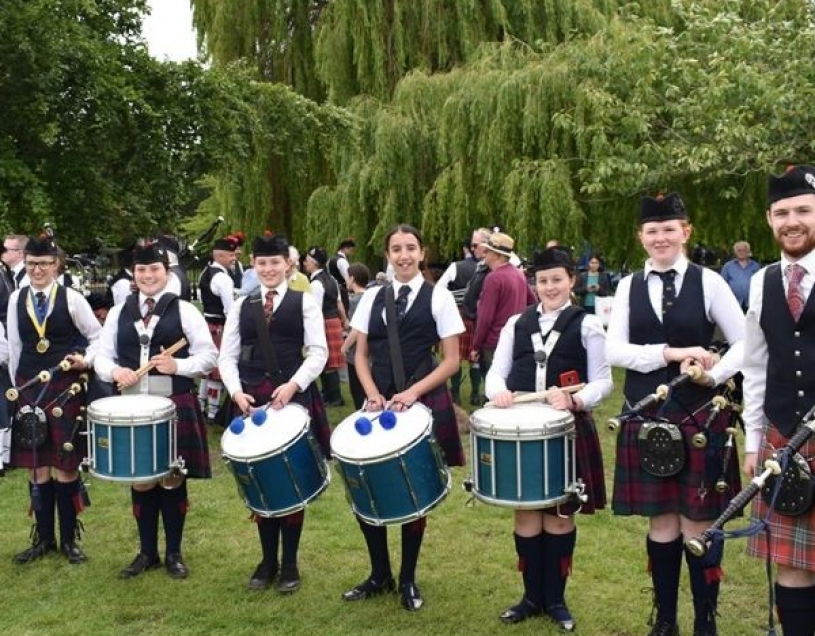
<point x="541" y="396"/>
<point x="171" y="350"/>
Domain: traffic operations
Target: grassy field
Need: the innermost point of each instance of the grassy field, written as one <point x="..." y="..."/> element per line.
<point x="467" y="571"/>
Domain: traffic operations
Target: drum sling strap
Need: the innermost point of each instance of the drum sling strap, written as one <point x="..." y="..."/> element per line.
<point x="544" y="344"/>
<point x="397" y="365"/>
<point x="264" y="341"/>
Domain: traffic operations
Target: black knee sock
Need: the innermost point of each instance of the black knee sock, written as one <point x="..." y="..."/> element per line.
<point x="68" y="503"/>
<point x="705" y="573"/>
<point x="376" y="540"/>
<point x="557" y="565"/>
<point x="666" y="565"/>
<point x="174" y="506"/>
<point x="412" y="535"/>
<point x="269" y="532"/>
<point x="291" y="527"/>
<point x="43" y="510"/>
<point x="795" y="609"/>
<point x="146" y="508"/>
<point x="530" y="563"/>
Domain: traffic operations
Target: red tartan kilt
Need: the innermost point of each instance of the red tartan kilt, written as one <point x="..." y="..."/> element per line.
<point x="639" y="493"/>
<point x="216" y="331"/>
<point x="465" y="340"/>
<point x="51" y="453"/>
<point x="792" y="539"/>
<point x="589" y="458"/>
<point x="191" y="436"/>
<point x="333" y="336"/>
<point x="445" y="426"/>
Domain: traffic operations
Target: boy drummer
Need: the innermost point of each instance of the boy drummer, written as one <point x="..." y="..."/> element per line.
<point x="135" y="333"/>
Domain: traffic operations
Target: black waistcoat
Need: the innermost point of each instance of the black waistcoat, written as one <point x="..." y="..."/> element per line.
<point x="418" y="335"/>
<point x="211" y="302"/>
<point x="286" y="332"/>
<point x="569" y="354"/>
<point x="684" y="325"/>
<point x="167" y="332"/>
<point x="791" y="355"/>
<point x="331" y="293"/>
<point x="62" y="335"/>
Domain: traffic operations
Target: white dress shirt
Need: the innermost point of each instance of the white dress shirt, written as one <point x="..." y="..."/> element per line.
<point x="314" y="342"/>
<point x="593" y="337"/>
<point x="121" y="289"/>
<point x="202" y="353"/>
<point x="223" y="286"/>
<point x="721" y="308"/>
<point x="3" y="347"/>
<point x="81" y="315"/>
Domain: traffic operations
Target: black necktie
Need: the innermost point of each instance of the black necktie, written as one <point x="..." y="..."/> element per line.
<point x="401" y="302"/>
<point x="668" y="289"/>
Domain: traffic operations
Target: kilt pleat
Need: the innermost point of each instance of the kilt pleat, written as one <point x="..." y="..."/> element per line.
<point x="333" y="336"/>
<point x="191" y="436"/>
<point x="589" y="459"/>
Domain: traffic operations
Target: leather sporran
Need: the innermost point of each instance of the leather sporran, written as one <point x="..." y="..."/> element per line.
<point x="797" y="490"/>
<point x="30" y="428"/>
<point x="662" y="449"/>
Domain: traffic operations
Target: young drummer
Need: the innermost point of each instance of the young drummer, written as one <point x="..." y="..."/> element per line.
<point x="135" y="333"/>
<point x="45" y="324"/>
<point x="427" y="315"/>
<point x="663" y="319"/>
<point x="573" y="343"/>
<point x="297" y="336"/>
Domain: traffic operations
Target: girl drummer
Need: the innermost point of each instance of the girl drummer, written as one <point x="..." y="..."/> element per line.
<point x="149" y="321"/>
<point x="425" y="315"/>
<point x="553" y="344"/>
<point x="663" y="319"/>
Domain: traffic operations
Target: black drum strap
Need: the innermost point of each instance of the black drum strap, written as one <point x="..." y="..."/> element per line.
<point x="397" y="364"/>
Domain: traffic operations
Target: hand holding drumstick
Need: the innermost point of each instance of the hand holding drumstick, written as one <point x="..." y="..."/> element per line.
<point x="163" y="362"/>
<point x="553" y="396"/>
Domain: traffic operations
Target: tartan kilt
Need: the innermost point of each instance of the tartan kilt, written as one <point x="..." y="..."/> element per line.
<point x="792" y="539"/>
<point x="333" y="336"/>
<point x="589" y="459"/>
<point x="217" y="332"/>
<point x="637" y="492"/>
<point x="191" y="436"/>
<point x="51" y="452"/>
<point x="445" y="427"/>
<point x="465" y="340"/>
<point x="310" y="399"/>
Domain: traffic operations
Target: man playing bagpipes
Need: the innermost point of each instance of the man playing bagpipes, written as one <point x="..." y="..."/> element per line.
<point x="146" y="330"/>
<point x="779" y="388"/>
<point x="46" y="323"/>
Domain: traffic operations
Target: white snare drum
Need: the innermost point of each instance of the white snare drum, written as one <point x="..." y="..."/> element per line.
<point x="275" y="460"/>
<point x="132" y="438"/>
<point x="523" y="456"/>
<point x="391" y="465"/>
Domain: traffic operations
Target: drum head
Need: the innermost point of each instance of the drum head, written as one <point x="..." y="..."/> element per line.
<point x="127" y="409"/>
<point x="411" y="425"/>
<point x="274" y="433"/>
<point x="522" y="421"/>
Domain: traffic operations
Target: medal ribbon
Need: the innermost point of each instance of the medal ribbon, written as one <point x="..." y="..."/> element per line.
<point x="39" y="323"/>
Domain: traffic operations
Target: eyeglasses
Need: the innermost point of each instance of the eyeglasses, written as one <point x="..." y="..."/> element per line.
<point x="40" y="264"/>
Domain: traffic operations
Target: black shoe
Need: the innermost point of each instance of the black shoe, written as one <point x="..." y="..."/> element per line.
<point x="411" y="597"/>
<point x="36" y="551"/>
<point x="664" y="628"/>
<point x="520" y="612"/>
<point x="368" y="588"/>
<point x="289" y="579"/>
<point x="175" y="565"/>
<point x="140" y="564"/>
<point x="562" y="616"/>
<point x="73" y="552"/>
<point x="263" y="576"/>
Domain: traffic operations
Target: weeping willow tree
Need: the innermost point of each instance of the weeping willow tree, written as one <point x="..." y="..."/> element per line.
<point x="560" y="141"/>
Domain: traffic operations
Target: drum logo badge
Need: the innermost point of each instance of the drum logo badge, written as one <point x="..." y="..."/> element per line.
<point x="485" y="458"/>
<point x="103" y="442"/>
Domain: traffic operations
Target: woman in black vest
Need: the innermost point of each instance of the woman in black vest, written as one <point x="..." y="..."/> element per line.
<point x="135" y="332"/>
<point x="429" y="317"/>
<point x="297" y="341"/>
<point x="663" y="319"/>
<point x="545" y="539"/>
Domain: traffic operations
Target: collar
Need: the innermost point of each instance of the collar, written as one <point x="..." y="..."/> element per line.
<point x="680" y="265"/>
<point x="143" y="297"/>
<point x="280" y="289"/>
<point x="807" y="262"/>
<point x="46" y="290"/>
<point x="414" y="283"/>
<point x="552" y="314"/>
<point x="314" y="274"/>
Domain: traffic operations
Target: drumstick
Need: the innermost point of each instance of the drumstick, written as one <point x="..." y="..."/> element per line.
<point x="540" y="396"/>
<point x="172" y="349"/>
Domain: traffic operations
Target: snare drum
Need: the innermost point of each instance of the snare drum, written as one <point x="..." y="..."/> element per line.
<point x="523" y="456"/>
<point x="275" y="460"/>
<point x="392" y="473"/>
<point x="131" y="438"/>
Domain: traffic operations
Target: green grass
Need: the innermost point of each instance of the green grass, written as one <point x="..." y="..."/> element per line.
<point x="467" y="571"/>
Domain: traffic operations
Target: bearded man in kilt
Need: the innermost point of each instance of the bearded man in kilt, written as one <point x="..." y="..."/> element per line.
<point x="136" y="333"/>
<point x="662" y="321"/>
<point x="296" y="341"/>
<point x="779" y="387"/>
<point x="49" y="324"/>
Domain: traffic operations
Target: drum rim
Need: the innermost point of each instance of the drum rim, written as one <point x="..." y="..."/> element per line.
<point x="169" y="418"/>
<point x="423" y="512"/>
<point x="530" y="436"/>
<point x="541" y="504"/>
<point x="557" y="428"/>
<point x="392" y="455"/>
<point x="271" y="514"/>
<point x="128" y="480"/>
